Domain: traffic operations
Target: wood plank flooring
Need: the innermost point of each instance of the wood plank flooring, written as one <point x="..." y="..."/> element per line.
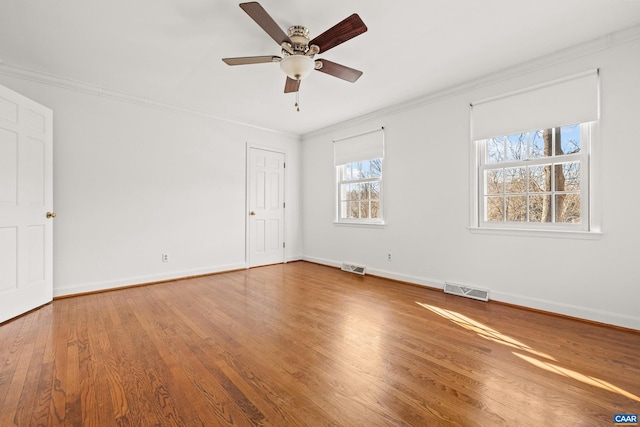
<point x="307" y="345"/>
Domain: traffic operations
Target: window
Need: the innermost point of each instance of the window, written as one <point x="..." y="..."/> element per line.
<point x="358" y="160"/>
<point x="532" y="166"/>
<point x="535" y="179"/>
<point x="359" y="187"/>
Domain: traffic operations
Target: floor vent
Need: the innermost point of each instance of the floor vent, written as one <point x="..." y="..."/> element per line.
<point x="466" y="291"/>
<point x="352" y="268"/>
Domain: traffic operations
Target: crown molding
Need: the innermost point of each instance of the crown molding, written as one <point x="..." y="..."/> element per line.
<point x="95" y="90"/>
<point x="558" y="57"/>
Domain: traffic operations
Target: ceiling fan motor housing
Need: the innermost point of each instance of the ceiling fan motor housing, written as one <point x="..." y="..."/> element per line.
<point x="299" y="37"/>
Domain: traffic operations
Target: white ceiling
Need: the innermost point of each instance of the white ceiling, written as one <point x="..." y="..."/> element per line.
<point x="170" y="51"/>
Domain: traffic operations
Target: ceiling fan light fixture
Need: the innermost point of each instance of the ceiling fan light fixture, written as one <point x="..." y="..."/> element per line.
<point x="297" y="67"/>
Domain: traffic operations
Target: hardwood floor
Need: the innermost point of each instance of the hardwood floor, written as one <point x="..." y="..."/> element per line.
<point x="307" y="345"/>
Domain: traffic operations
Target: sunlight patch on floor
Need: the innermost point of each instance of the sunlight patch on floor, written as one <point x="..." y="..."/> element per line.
<point x="482" y="330"/>
<point x="578" y="376"/>
<point x="491" y="334"/>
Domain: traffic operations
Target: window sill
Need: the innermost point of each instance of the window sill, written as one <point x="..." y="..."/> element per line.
<point x="359" y="224"/>
<point x="560" y="234"/>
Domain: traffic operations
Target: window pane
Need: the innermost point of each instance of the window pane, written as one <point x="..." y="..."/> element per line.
<point x="515" y="180"/>
<point x="344" y="191"/>
<point x="494" y="180"/>
<point x="366" y="167"/>
<point x="541" y="143"/>
<point x="356" y="191"/>
<point x="570" y="139"/>
<point x="517" y="208"/>
<point x="540" y="208"/>
<point x="536" y="145"/>
<point x="568" y="177"/>
<point x="375" y="209"/>
<point x="354" y="210"/>
<point x="374" y="190"/>
<point x="568" y="208"/>
<point x="539" y="178"/>
<point x="347" y="192"/>
<point x="495" y="150"/>
<point x="364" y="209"/>
<point x="516" y="146"/>
<point x="376" y="168"/>
<point x="495" y="209"/>
<point x="364" y="191"/>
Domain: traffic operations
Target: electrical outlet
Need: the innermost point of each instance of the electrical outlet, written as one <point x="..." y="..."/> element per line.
<point x="165" y="257"/>
<point x="388" y="256"/>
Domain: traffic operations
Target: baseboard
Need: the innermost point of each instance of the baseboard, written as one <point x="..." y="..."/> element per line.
<point x="322" y="261"/>
<point x="293" y="258"/>
<point x="589" y="314"/>
<point x="141" y="280"/>
<point x="414" y="280"/>
<point x="581" y="313"/>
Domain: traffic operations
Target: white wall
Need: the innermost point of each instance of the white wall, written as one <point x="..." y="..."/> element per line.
<point x="427" y="200"/>
<point x="133" y="181"/>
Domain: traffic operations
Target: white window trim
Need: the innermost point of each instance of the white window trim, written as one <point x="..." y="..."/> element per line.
<point x="591" y="230"/>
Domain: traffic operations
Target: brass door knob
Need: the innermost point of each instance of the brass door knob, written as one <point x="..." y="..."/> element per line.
<point x="51" y="214"/>
<point x="252" y="213"/>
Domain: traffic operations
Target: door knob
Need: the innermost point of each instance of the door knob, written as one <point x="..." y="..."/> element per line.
<point x="51" y="214"/>
<point x="252" y="213"/>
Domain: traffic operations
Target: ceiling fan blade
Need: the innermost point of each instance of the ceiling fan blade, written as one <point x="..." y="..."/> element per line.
<point x="339" y="71"/>
<point x="244" y="60"/>
<point x="291" y="85"/>
<point x="265" y="21"/>
<point x="340" y="33"/>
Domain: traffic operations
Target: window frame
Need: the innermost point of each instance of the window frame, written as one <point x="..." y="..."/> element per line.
<point x="587" y="225"/>
<point x="340" y="181"/>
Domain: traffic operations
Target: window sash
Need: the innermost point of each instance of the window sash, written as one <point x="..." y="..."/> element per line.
<point x="582" y="158"/>
<point x="341" y="181"/>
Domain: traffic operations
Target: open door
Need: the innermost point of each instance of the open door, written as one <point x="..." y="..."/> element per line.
<point x="26" y="202"/>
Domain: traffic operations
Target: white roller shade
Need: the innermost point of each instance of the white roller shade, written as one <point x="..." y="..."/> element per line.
<point x="566" y="101"/>
<point x="364" y="146"/>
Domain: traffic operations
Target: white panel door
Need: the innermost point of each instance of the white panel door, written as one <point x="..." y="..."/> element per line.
<point x="266" y="207"/>
<point x="26" y="196"/>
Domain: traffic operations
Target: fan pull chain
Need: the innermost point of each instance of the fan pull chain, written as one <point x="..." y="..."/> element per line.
<point x="297" y="101"/>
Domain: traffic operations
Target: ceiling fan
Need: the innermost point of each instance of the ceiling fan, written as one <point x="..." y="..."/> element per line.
<point x="298" y="51"/>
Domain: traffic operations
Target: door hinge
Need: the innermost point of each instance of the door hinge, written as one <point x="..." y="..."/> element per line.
<point x="284" y="165"/>
<point x="283" y="244"/>
<point x="283" y="204"/>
